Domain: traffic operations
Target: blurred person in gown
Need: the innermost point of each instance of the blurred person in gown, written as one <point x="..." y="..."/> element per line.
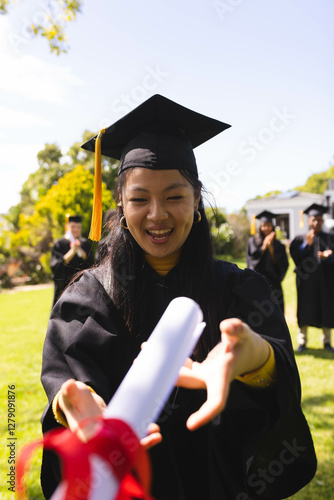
<point x="70" y="254"/>
<point x="266" y="255"/>
<point x="313" y="255"/>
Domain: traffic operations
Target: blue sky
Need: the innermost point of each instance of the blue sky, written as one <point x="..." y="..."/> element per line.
<point x="265" y="67"/>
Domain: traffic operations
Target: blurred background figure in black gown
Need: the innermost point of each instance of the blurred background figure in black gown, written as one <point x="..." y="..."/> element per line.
<point x="313" y="255"/>
<point x="266" y="255"/>
<point x="69" y="255"/>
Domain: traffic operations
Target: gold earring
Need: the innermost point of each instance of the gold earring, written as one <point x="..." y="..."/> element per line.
<point x="122" y="222"/>
<point x="199" y="217"/>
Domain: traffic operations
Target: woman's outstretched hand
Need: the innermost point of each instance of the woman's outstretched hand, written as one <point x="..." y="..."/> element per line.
<point x="78" y="403"/>
<point x="240" y="351"/>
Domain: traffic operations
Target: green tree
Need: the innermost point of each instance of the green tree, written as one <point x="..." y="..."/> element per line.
<point x="109" y="166"/>
<point x="268" y="195"/>
<point x="32" y="243"/>
<point x="4" y="6"/>
<point x="5" y="256"/>
<point x="221" y="232"/>
<point x="317" y="183"/>
<point x="53" y="165"/>
<point x="52" y="25"/>
<point x="38" y="183"/>
<point x="240" y="225"/>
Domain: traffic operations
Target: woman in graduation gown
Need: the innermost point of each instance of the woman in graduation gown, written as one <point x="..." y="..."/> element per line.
<point x="266" y="255"/>
<point x="239" y="433"/>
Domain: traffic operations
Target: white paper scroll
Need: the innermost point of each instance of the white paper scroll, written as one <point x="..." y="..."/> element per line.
<point x="147" y="385"/>
<point x="145" y="389"/>
<point x="70" y="237"/>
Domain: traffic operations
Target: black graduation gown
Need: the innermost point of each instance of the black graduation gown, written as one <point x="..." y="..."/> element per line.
<point x="259" y="447"/>
<point x="262" y="262"/>
<point x="63" y="273"/>
<point x="314" y="281"/>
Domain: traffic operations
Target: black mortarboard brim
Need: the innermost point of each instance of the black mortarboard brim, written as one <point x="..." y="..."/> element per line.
<point x="159" y="134"/>
<point x="315" y="210"/>
<point x="74" y="218"/>
<point x="265" y="216"/>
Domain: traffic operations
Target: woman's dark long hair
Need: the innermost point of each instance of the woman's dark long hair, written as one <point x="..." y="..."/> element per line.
<point x="194" y="271"/>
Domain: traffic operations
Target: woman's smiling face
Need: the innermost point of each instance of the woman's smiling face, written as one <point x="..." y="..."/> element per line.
<point x="159" y="208"/>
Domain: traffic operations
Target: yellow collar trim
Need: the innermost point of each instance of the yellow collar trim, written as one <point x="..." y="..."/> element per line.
<point x="163" y="265"/>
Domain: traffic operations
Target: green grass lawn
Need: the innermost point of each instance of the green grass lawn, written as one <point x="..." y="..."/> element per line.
<point x="23" y="322"/>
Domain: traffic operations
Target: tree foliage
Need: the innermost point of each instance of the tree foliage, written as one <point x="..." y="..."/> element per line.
<point x="221" y="231"/>
<point x="109" y="166"/>
<point x="51" y="23"/>
<point x="72" y="194"/>
<point x="4" y="6"/>
<point x="38" y="183"/>
<point x="268" y="195"/>
<point x="31" y="244"/>
<point x="240" y="225"/>
<point x="53" y="165"/>
<point x="63" y="183"/>
<point x="317" y="183"/>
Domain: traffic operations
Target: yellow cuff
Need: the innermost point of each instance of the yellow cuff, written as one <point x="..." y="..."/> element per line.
<point x="262" y="377"/>
<point x="57" y="412"/>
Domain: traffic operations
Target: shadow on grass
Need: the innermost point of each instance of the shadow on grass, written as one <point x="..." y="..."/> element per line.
<point x="316" y="353"/>
<point x="319" y="400"/>
<point x="314" y="406"/>
<point x="313" y="403"/>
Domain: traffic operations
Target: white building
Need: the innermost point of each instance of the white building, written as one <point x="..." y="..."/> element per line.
<point x="289" y="208"/>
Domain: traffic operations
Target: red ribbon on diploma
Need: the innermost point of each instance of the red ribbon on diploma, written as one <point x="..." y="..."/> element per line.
<point x="115" y="443"/>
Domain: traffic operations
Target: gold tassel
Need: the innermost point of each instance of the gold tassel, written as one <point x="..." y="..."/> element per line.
<point x="96" y="223"/>
<point x="253" y="229"/>
<point x="66" y="222"/>
<point x="301" y="219"/>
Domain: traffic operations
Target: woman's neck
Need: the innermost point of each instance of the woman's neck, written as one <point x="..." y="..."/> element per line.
<point x="162" y="265"/>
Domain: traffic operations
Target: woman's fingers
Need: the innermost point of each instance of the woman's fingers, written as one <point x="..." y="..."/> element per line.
<point x="153" y="437"/>
<point x="190" y="376"/>
<point x="78" y="403"/>
<point x="217" y="375"/>
<point x="205" y="414"/>
<point x="235" y="330"/>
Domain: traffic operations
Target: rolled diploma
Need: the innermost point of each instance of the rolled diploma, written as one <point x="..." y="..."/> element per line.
<point x="146" y="387"/>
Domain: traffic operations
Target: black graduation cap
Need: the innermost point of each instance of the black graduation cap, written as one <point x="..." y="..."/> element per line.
<point x="74" y="218"/>
<point x="159" y="134"/>
<point x="315" y="210"/>
<point x="265" y="216"/>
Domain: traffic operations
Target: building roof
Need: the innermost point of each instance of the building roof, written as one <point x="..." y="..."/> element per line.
<point x="287" y="199"/>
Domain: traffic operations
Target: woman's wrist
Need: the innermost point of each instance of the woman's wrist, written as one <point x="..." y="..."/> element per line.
<point x="263" y="377"/>
<point x="256" y="354"/>
<point x="58" y="411"/>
